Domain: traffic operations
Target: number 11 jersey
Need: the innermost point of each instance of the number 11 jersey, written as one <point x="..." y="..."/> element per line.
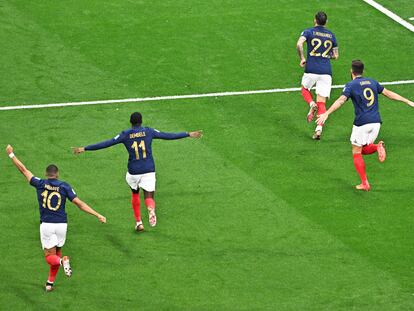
<point x="138" y="142"/>
<point x="320" y="42"/>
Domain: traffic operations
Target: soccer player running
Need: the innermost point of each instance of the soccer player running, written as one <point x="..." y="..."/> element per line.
<point x="52" y="194"/>
<point x="321" y="48"/>
<point x="364" y="94"/>
<point x="141" y="168"/>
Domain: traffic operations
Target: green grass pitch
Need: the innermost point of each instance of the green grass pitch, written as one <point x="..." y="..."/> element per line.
<point x="256" y="215"/>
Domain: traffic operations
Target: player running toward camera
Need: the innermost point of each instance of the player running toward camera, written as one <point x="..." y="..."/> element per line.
<point x="364" y="94"/>
<point x="141" y="168"/>
<point x="52" y="194"/>
<point x="321" y="48"/>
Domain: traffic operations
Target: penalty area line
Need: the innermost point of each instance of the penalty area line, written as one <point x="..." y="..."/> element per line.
<point x="175" y="97"/>
<point x="390" y="14"/>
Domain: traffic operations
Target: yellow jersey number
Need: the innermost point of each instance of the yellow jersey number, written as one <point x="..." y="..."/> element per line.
<point x="47" y="200"/>
<point x="136" y="148"/>
<point x="316" y="43"/>
<point x="369" y="96"/>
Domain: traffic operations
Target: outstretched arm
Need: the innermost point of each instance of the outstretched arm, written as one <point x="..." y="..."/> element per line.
<point x="170" y="136"/>
<point x="394" y="96"/>
<point x="337" y="104"/>
<point x="20" y="166"/>
<point x="104" y="144"/>
<point x="87" y="209"/>
<point x="301" y="53"/>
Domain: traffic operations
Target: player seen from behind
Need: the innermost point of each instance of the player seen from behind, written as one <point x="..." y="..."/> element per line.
<point x="364" y="94"/>
<point x="321" y="48"/>
<point x="141" y="168"/>
<point x="52" y="194"/>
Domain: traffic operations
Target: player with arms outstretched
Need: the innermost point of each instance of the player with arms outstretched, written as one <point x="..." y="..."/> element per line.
<point x="321" y="48"/>
<point x="364" y="94"/>
<point x="141" y="168"/>
<point x="52" y="194"/>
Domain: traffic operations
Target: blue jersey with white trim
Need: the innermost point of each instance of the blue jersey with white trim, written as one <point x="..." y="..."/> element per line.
<point x="320" y="42"/>
<point x="52" y="195"/>
<point x="364" y="94"/>
<point x="138" y="142"/>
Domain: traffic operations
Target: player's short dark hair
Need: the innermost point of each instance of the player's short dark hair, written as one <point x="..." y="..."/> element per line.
<point x="52" y="170"/>
<point x="321" y="18"/>
<point x="136" y="118"/>
<point x="357" y="67"/>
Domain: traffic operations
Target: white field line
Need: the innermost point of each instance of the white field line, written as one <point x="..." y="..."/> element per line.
<point x="411" y="18"/>
<point x="174" y="97"/>
<point x="390" y="14"/>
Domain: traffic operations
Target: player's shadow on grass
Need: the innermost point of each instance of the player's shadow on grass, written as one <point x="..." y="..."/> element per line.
<point x="24" y="295"/>
<point x="118" y="244"/>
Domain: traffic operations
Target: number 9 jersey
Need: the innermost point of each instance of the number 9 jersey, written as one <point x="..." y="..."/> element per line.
<point x="364" y="94"/>
<point x="320" y="42"/>
<point x="52" y="195"/>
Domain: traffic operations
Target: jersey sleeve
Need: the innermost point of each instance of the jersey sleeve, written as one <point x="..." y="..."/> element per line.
<point x="347" y="90"/>
<point x="168" y="136"/>
<point x="36" y="182"/>
<point x="380" y="88"/>
<point x="334" y="42"/>
<point x="70" y="193"/>
<point x="107" y="143"/>
<point x="306" y="33"/>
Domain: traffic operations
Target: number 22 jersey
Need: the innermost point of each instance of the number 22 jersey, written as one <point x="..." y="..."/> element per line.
<point x="320" y="42"/>
<point x="52" y="195"/>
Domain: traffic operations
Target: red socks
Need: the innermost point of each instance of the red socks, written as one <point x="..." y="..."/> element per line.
<point x="360" y="167"/>
<point x="321" y="107"/>
<point x="136" y="206"/>
<point x="52" y="273"/>
<point x="150" y="203"/>
<point x="307" y="95"/>
<point x="369" y="149"/>
<point x="54" y="262"/>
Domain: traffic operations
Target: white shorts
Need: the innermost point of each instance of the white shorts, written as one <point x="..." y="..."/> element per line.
<point x="144" y="181"/>
<point x="365" y="134"/>
<point x="323" y="83"/>
<point x="52" y="234"/>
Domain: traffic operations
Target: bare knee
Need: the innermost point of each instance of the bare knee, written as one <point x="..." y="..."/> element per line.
<point x="49" y="251"/>
<point x="149" y="195"/>
<point x="356" y="149"/>
<point x="320" y="99"/>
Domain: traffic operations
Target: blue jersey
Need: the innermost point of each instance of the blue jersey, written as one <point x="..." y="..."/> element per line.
<point x="52" y="194"/>
<point x="320" y="42"/>
<point x="138" y="142"/>
<point x="364" y="94"/>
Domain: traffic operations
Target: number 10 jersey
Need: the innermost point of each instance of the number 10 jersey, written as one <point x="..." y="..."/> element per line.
<point x="52" y="195"/>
